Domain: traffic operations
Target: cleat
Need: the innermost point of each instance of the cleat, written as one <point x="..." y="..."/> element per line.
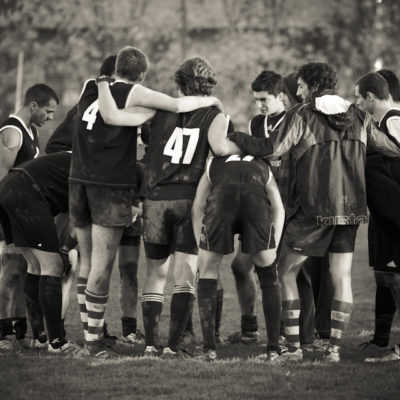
<point x="331" y="356"/>
<point x="133" y="338"/>
<point x="169" y="354"/>
<point x="151" y="352"/>
<point x="372" y="350"/>
<point x="208" y="356"/>
<point x="391" y="355"/>
<point x="320" y="344"/>
<point x="243" y="337"/>
<point x="271" y="357"/>
<point x="36" y="344"/>
<point x="67" y="349"/>
<point x="97" y="349"/>
<point x="287" y="355"/>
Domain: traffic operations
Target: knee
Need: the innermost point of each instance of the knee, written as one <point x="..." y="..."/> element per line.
<point x="268" y="276"/>
<point x="240" y="269"/>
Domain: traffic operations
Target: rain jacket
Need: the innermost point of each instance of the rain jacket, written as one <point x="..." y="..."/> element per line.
<point x="327" y="138"/>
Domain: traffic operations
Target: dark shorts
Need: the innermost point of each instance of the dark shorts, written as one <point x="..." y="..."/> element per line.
<point x="237" y="208"/>
<point x="25" y="215"/>
<point x="304" y="237"/>
<point x="99" y="205"/>
<point x="167" y="227"/>
<point x="132" y="233"/>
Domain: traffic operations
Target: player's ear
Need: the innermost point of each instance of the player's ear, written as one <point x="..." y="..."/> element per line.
<point x="33" y="106"/>
<point x="142" y="77"/>
<point x="370" y="96"/>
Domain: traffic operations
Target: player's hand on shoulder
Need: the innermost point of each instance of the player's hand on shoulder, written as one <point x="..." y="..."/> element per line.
<point x="218" y="104"/>
<point x="104" y="78"/>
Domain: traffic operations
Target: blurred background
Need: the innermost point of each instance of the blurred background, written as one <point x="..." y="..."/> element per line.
<point x="62" y="43"/>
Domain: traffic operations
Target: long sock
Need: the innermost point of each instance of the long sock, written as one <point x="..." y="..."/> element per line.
<point x="152" y="305"/>
<point x="271" y="301"/>
<point x="218" y="312"/>
<point x="385" y="308"/>
<point x="6" y="328"/>
<point x="189" y="323"/>
<point x="340" y="316"/>
<point x="248" y="323"/>
<point x="33" y="307"/>
<point x="96" y="305"/>
<point x="291" y="317"/>
<point x="128" y="325"/>
<point x="181" y="305"/>
<point x="50" y="295"/>
<point x="207" y="299"/>
<point x="81" y="287"/>
<point x="20" y="327"/>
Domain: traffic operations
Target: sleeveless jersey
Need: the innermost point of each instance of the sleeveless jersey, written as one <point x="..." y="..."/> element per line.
<point x="177" y="153"/>
<point x="49" y="176"/>
<point x="29" y="139"/>
<point x="61" y="139"/>
<point x="383" y="123"/>
<point x="235" y="169"/>
<point x="103" y="155"/>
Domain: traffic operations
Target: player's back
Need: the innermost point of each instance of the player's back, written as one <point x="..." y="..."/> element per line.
<point x="103" y="155"/>
<point x="177" y="153"/>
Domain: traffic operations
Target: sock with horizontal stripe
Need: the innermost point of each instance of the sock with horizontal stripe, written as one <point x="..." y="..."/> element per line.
<point x="291" y="317"/>
<point x="152" y="305"/>
<point x="50" y="295"/>
<point x="96" y="305"/>
<point x="81" y="287"/>
<point x="33" y="308"/>
<point x="207" y="300"/>
<point x="271" y="302"/>
<point x="181" y="305"/>
<point x="340" y="316"/>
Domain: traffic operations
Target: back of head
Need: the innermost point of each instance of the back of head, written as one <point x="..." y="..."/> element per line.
<point x="375" y="84"/>
<point x="41" y="94"/>
<point x="195" y="77"/>
<point x="268" y="81"/>
<point x="108" y="65"/>
<point x="393" y="83"/>
<point x="131" y="63"/>
<point x="290" y="88"/>
<point x="318" y="76"/>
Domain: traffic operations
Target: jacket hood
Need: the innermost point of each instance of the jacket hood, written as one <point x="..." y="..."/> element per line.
<point x="338" y="111"/>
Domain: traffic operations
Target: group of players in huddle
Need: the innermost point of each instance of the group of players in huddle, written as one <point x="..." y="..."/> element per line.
<point x="295" y="190"/>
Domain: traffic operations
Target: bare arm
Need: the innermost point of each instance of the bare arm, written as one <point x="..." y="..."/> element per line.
<point x="217" y="137"/>
<point x="278" y="212"/>
<point x="199" y="205"/>
<point x="146" y="97"/>
<point x="379" y="141"/>
<point x="10" y="141"/>
<point x="112" y="115"/>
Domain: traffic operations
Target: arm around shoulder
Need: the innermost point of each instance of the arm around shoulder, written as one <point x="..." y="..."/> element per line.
<point x="217" y="137"/>
<point x="11" y="140"/>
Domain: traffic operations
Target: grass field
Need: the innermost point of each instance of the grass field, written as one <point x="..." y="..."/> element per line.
<point x="36" y="375"/>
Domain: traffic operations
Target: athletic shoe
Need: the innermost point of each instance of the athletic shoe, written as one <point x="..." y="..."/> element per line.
<point x="245" y="338"/>
<point x="271" y="357"/>
<point x="36" y="344"/>
<point x="372" y="350"/>
<point x="134" y="338"/>
<point x="207" y="356"/>
<point x="6" y="344"/>
<point x="169" y="354"/>
<point x="97" y="349"/>
<point x="392" y="355"/>
<point x="151" y="351"/>
<point x="67" y="349"/>
<point x="331" y="356"/>
<point x="320" y="344"/>
<point x="295" y="355"/>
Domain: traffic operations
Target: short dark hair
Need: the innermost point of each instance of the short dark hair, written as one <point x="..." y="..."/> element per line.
<point x="290" y="88"/>
<point x="131" y="63"/>
<point x="318" y="76"/>
<point x="393" y="83"/>
<point x="195" y="76"/>
<point x="268" y="81"/>
<point x="40" y="93"/>
<point x="108" y="65"/>
<point x="373" y="83"/>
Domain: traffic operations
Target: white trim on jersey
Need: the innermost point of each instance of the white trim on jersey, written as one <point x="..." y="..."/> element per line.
<point x="29" y="129"/>
<point x="18" y="130"/>
<point x="250" y="132"/>
<point x="270" y="175"/>
<point x="84" y="87"/>
<point x="393" y="126"/>
<point x="209" y="161"/>
<point x="266" y="133"/>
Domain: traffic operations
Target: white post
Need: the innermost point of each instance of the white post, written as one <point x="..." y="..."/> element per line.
<point x="20" y="74"/>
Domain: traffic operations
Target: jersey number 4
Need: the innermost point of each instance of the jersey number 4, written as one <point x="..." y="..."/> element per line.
<point x="174" y="146"/>
<point x="90" y="115"/>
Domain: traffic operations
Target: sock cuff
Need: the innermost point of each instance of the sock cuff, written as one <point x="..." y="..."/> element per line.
<point x="291" y="304"/>
<point x="183" y="289"/>
<point x="156" y="297"/>
<point x="342" y="306"/>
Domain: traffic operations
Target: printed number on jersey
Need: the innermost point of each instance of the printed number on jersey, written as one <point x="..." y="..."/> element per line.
<point x="236" y="157"/>
<point x="90" y="115"/>
<point x="175" y="145"/>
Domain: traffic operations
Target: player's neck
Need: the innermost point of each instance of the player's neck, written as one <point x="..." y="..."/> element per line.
<point x="119" y="78"/>
<point x="381" y="109"/>
<point x="25" y="115"/>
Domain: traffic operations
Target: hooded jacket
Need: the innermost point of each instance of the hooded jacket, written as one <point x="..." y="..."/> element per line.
<point x="327" y="138"/>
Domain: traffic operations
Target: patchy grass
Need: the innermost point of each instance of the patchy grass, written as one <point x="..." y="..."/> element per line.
<point x="236" y="375"/>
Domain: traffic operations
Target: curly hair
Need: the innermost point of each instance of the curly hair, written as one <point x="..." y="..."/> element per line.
<point x="268" y="81"/>
<point x="318" y="76"/>
<point x="195" y="77"/>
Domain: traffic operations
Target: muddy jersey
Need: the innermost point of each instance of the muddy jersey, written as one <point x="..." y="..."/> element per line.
<point x="29" y="145"/>
<point x="177" y="153"/>
<point x="49" y="176"/>
<point x="103" y="155"/>
<point x="235" y="169"/>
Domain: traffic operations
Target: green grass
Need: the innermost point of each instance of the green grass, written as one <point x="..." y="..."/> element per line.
<point x="36" y="375"/>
